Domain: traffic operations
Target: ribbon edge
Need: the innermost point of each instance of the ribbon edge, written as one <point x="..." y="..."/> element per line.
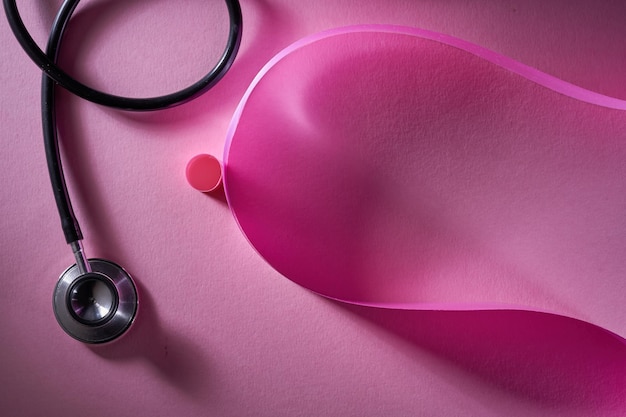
<point x="530" y="73"/>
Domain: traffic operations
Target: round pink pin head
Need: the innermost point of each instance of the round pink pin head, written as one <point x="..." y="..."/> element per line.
<point x="204" y="173"/>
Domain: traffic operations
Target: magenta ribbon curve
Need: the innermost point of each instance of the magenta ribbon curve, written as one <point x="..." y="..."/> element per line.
<point x="401" y="168"/>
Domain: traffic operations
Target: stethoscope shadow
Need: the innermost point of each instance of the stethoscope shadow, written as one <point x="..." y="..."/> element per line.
<point x="177" y="360"/>
<point x="536" y="359"/>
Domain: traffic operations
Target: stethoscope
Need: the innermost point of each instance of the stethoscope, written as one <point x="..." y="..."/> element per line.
<point x="95" y="300"/>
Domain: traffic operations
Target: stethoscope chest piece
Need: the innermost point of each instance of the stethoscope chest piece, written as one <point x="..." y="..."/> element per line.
<point x="95" y="301"/>
<point x="96" y="306"/>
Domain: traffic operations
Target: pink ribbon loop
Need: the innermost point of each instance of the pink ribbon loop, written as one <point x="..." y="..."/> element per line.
<point x="401" y="168"/>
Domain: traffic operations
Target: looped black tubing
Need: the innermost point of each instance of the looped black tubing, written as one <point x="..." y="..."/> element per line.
<point x="48" y="65"/>
<point x="69" y="223"/>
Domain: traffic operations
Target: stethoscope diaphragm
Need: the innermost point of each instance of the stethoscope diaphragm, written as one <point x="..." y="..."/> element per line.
<point x="97" y="306"/>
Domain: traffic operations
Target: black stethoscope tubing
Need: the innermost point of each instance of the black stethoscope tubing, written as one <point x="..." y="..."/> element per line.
<point x="47" y="62"/>
<point x="77" y="305"/>
<point x="49" y="66"/>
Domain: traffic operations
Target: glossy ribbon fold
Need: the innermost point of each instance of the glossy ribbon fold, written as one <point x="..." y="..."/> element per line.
<point x="401" y="168"/>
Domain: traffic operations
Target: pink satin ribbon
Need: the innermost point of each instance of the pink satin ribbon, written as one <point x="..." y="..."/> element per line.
<point x="401" y="168"/>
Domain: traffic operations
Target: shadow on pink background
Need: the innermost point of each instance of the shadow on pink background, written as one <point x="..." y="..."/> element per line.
<point x="549" y="362"/>
<point x="176" y="360"/>
<point x="400" y="172"/>
<point x="219" y="332"/>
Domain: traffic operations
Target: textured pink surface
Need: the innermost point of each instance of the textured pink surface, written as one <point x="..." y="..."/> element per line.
<point x="406" y="169"/>
<point x="220" y="333"/>
<point x="404" y="173"/>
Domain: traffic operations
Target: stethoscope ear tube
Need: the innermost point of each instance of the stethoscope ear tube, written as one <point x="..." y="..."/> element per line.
<point x="48" y="64"/>
<point x="98" y="306"/>
<point x="95" y="301"/>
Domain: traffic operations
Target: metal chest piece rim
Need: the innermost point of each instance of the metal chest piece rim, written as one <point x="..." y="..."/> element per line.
<point x="97" y="306"/>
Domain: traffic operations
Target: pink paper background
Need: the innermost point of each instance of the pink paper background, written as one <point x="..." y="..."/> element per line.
<point x="220" y="332"/>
